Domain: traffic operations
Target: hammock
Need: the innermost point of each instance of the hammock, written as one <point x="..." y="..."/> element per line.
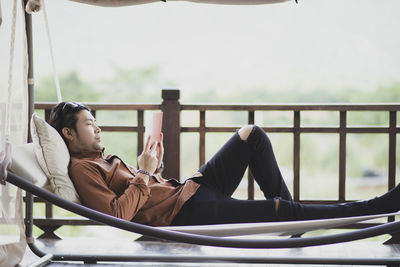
<point x="24" y="164"/>
<point x="172" y="234"/>
<point x="202" y="236"/>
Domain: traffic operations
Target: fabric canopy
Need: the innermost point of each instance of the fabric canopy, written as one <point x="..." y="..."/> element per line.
<point x="116" y="3"/>
<point x="35" y="5"/>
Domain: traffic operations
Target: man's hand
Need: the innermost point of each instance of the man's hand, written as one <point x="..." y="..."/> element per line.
<point x="148" y="161"/>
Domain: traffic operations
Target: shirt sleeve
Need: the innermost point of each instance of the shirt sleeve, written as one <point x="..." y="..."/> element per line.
<point x="95" y="193"/>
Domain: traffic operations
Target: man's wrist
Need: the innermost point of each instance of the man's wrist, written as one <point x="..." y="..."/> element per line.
<point x="145" y="172"/>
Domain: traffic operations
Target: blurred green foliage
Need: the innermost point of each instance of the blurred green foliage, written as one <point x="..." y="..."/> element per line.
<point x="124" y="85"/>
<point x="74" y="88"/>
<point x="384" y="94"/>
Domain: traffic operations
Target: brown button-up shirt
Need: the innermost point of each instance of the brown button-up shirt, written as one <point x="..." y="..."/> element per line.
<point x="108" y="185"/>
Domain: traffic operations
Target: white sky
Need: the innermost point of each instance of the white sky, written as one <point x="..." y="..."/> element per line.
<point x="315" y="44"/>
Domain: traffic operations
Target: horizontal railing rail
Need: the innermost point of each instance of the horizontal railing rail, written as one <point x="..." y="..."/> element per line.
<point x="172" y="129"/>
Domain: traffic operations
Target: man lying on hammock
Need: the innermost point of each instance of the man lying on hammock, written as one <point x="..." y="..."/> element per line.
<point x="107" y="184"/>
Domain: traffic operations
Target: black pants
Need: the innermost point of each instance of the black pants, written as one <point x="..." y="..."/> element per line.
<point x="213" y="204"/>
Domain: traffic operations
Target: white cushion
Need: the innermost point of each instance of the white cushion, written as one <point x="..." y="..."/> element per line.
<point x="25" y="164"/>
<point x="53" y="157"/>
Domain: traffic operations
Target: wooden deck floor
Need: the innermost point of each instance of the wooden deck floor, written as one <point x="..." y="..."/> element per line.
<point x="368" y="250"/>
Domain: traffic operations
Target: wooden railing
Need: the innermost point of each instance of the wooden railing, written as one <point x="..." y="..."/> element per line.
<point x="296" y="130"/>
<point x="172" y="129"/>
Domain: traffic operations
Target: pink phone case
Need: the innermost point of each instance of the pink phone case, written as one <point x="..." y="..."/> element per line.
<point x="156" y="127"/>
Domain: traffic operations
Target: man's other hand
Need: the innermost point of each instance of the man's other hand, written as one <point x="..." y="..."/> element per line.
<point x="148" y="161"/>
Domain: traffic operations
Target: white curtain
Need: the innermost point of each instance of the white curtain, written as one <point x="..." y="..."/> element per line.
<point x="13" y="241"/>
<point x="13" y="128"/>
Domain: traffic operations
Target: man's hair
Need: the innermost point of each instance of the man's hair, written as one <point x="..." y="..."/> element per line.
<point x="65" y="115"/>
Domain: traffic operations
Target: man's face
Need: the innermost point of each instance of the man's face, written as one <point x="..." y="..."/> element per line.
<point x="87" y="134"/>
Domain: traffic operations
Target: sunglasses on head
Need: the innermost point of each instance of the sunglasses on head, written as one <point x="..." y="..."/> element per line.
<point x="69" y="106"/>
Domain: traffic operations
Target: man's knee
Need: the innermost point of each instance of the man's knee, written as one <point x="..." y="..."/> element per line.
<point x="245" y="131"/>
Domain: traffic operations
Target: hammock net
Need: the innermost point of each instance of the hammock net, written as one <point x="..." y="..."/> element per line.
<point x="13" y="127"/>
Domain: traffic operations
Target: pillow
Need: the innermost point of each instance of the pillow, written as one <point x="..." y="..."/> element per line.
<point x="25" y="164"/>
<point x="53" y="157"/>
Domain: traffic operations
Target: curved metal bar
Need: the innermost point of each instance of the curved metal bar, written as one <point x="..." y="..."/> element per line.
<point x="231" y="259"/>
<point x="118" y="3"/>
<point x="199" y="239"/>
<point x="43" y="261"/>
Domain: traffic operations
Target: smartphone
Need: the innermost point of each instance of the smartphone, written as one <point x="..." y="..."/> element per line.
<point x="156" y="127"/>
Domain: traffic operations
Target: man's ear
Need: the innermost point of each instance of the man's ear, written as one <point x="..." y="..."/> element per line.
<point x="67" y="132"/>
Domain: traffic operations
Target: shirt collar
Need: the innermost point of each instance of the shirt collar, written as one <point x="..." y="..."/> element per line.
<point x="88" y="154"/>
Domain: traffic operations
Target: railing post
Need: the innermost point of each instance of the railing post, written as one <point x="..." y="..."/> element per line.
<point x="171" y="129"/>
<point x="392" y="150"/>
<point x="342" y="156"/>
<point x="250" y="177"/>
<point x="202" y="143"/>
<point x="392" y="153"/>
<point x="296" y="155"/>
